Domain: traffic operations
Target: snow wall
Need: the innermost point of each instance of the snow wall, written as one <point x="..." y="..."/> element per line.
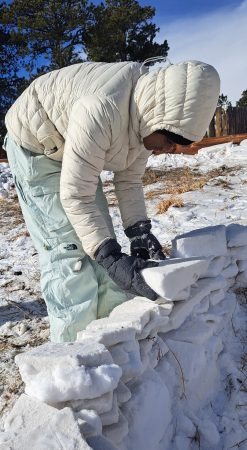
<point x="123" y="383"/>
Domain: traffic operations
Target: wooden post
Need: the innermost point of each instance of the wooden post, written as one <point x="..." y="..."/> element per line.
<point x="218" y="122"/>
<point x="211" y="128"/>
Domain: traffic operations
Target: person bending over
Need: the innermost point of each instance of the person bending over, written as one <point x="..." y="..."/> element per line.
<point x="68" y="126"/>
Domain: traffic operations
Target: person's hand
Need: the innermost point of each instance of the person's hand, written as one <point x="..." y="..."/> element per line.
<point x="125" y="270"/>
<point x="143" y="243"/>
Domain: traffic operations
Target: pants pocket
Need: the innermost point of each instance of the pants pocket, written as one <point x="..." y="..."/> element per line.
<point x="20" y="190"/>
<point x="48" y="208"/>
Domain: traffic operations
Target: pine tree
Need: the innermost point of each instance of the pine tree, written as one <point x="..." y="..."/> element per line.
<point x="223" y="101"/>
<point x="243" y="99"/>
<point x="41" y="35"/>
<point x="52" y="31"/>
<point x="122" y="30"/>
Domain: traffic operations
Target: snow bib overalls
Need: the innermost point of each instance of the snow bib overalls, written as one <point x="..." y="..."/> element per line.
<point x="75" y="288"/>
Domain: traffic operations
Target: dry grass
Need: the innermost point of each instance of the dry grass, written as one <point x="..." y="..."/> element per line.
<point x="167" y="249"/>
<point x="180" y="180"/>
<point x="11" y="214"/>
<point x="164" y="205"/>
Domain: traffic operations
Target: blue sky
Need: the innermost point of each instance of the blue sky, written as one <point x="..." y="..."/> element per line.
<point x="211" y="31"/>
<point x="172" y="9"/>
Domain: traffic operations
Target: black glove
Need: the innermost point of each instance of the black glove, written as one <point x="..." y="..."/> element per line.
<point x="143" y="243"/>
<point x="124" y="269"/>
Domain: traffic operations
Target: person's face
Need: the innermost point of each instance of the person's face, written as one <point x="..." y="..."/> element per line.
<point x="159" y="143"/>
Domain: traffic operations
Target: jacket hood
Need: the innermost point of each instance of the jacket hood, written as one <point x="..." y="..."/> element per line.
<point x="180" y="98"/>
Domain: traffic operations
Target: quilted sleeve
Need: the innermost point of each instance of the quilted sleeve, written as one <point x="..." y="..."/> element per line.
<point x="87" y="141"/>
<point x="129" y="191"/>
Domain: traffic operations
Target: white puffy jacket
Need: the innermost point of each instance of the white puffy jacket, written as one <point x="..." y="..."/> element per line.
<point x="94" y="116"/>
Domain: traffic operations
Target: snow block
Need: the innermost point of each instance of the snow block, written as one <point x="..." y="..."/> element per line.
<point x="193" y="332"/>
<point x="67" y="353"/>
<point x="238" y="253"/>
<point x="100" y="443"/>
<point x="89" y="422"/>
<point x="173" y="276"/>
<point x="132" y="366"/>
<point x="199" y="292"/>
<point x="242" y="277"/>
<point x="128" y="321"/>
<point x="151" y="401"/>
<point x="158" y="351"/>
<point x="122" y="392"/>
<point x="100" y="404"/>
<point x="108" y="335"/>
<point x="216" y="296"/>
<point x="202" y="307"/>
<point x="242" y="265"/>
<point x="56" y="373"/>
<point x="230" y="282"/>
<point x="216" y="266"/>
<point x="35" y="425"/>
<point x="202" y="359"/>
<point x="230" y="271"/>
<point x="111" y="416"/>
<point x="117" y="431"/>
<point x="208" y="241"/>
<point x="236" y="235"/>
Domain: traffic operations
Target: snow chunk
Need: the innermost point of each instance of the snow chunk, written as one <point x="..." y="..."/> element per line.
<point x="117" y="431"/>
<point x="242" y="265"/>
<point x="100" y="443"/>
<point x="88" y="422"/>
<point x="122" y="392"/>
<point x="100" y="404"/>
<point x="152" y="404"/>
<point x="173" y="276"/>
<point x="236" y="235"/>
<point x="111" y="416"/>
<point x="32" y="424"/>
<point x="130" y="355"/>
<point x="216" y="266"/>
<point x="239" y="253"/>
<point x="57" y="373"/>
<point x="230" y="271"/>
<point x="208" y="241"/>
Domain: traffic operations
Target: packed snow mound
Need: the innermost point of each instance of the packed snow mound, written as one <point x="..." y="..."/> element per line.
<point x="147" y="376"/>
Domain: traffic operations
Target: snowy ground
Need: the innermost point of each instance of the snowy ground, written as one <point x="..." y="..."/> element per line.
<point x="205" y="189"/>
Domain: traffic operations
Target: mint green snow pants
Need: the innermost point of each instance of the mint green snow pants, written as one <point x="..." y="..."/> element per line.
<point x="73" y="298"/>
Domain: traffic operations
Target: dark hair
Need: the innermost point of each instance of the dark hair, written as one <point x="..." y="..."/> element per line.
<point x="176" y="138"/>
